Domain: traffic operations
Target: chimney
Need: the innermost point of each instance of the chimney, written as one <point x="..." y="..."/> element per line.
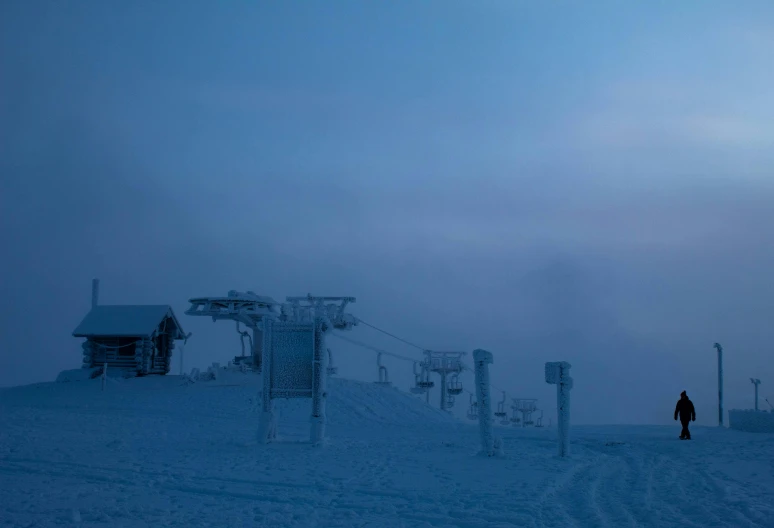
<point x="94" y="293"/>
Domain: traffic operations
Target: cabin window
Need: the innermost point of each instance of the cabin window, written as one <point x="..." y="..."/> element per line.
<point x="120" y="346"/>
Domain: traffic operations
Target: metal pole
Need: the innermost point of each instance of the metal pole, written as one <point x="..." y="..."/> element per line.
<point x="755" y="382"/>
<point x="268" y="428"/>
<point x="257" y="348"/>
<point x="443" y="390"/>
<point x="720" y="384"/>
<point x="319" y="358"/>
<point x="482" y="359"/>
<point x="94" y="292"/>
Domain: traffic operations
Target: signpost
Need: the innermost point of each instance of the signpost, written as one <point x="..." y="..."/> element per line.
<point x="558" y="373"/>
<point x="294" y="365"/>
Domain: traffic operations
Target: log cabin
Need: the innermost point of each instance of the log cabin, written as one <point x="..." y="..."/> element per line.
<point x="139" y="339"/>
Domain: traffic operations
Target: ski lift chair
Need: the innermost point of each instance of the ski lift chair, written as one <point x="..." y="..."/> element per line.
<point x="473" y="409"/>
<point x="454" y="388"/>
<point x="500" y="412"/>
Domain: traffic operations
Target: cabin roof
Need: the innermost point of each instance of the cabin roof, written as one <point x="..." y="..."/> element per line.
<point x="126" y="321"/>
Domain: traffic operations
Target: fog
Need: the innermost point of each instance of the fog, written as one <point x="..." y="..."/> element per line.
<point x="587" y="184"/>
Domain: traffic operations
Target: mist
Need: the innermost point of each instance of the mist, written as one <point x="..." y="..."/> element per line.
<point x="564" y="182"/>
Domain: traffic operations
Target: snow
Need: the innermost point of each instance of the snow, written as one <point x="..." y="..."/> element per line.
<point x="81" y="374"/>
<point x="124" y="320"/>
<point x="751" y="420"/>
<point x="155" y="451"/>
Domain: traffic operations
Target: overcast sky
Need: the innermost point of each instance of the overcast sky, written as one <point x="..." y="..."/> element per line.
<point x="590" y="183"/>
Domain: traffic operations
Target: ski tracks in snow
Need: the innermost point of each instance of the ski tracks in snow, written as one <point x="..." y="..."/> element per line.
<point x="194" y="461"/>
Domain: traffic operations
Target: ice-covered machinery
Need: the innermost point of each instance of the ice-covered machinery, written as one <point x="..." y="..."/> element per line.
<point x="383" y="379"/>
<point x="250" y="309"/>
<point x="422" y="381"/>
<point x="454" y="387"/>
<point x="473" y="409"/>
<point x="525" y="407"/>
<point x="302" y="309"/>
<point x="247" y="308"/>
<point x="445" y="364"/>
<point x="501" y="412"/>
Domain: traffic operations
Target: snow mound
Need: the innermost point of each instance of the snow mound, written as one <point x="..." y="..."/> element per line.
<point x="229" y="393"/>
<point x="751" y="421"/>
<point x="68" y="376"/>
<point x="156" y="451"/>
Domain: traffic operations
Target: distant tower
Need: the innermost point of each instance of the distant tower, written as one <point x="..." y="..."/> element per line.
<point x="756" y="382"/>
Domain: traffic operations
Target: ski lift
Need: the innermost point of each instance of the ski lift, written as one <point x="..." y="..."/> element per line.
<point x="473" y="409"/>
<point x="515" y="420"/>
<point x="539" y="420"/>
<point x="454" y="387"/>
<point x="449" y="402"/>
<point x="424" y="380"/>
<point x="418" y="387"/>
<point x="244" y="359"/>
<point x="332" y="370"/>
<point x="500" y="412"/>
<point x="383" y="378"/>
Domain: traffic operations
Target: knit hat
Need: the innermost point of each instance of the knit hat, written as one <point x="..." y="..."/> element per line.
<point x="683" y="394"/>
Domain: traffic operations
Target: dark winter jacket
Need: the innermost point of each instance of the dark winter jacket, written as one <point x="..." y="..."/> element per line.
<point x="685" y="410"/>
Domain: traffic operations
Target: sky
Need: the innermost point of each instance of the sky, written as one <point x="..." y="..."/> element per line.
<point x="587" y="182"/>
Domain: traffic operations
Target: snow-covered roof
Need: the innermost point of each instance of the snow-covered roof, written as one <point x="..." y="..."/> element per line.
<point x="126" y="320"/>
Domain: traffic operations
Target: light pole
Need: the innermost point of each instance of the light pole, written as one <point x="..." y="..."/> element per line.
<point x="720" y="384"/>
<point x="756" y="382"/>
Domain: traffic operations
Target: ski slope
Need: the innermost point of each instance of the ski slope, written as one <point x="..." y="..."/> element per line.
<point x="155" y="452"/>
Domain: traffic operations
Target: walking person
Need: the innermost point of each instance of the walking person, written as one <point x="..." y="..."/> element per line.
<point x="687" y="414"/>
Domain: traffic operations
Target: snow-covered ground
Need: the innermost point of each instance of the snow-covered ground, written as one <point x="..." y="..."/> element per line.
<point x="155" y="452"/>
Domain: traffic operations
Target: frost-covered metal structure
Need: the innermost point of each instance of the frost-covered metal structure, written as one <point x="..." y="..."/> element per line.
<point x="445" y="364"/>
<point x="525" y="407"/>
<point x="247" y="308"/>
<point x="481" y="360"/>
<point x="295" y="358"/>
<point x="501" y="412"/>
<point x="137" y="339"/>
<point x="422" y="381"/>
<point x="384" y="378"/>
<point x="558" y="373"/>
<point x="472" y="409"/>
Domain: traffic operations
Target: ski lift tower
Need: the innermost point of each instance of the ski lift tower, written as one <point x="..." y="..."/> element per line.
<point x="526" y="407"/>
<point x="304" y="309"/>
<point x="243" y="307"/>
<point x="444" y="364"/>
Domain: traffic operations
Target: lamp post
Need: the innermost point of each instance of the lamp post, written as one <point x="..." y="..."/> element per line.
<point x="720" y="384"/>
<point x="756" y="382"/>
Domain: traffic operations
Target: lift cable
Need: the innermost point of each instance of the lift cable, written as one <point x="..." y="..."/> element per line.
<point x="392" y="335"/>
<point x="374" y="349"/>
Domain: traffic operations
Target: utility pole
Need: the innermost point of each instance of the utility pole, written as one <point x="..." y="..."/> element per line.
<point x="720" y="384"/>
<point x="756" y="382"/>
